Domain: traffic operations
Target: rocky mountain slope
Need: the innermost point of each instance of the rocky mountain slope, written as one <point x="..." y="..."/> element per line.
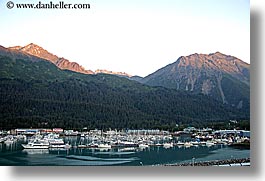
<point x="224" y="77"/>
<point x="62" y="63"/>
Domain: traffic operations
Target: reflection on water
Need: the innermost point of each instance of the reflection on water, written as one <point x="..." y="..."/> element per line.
<point x="35" y="151"/>
<point x="13" y="154"/>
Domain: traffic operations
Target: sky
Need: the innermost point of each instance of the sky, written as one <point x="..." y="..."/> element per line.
<point x="133" y="36"/>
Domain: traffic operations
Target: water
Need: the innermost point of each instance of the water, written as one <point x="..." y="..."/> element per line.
<point x="13" y="154"/>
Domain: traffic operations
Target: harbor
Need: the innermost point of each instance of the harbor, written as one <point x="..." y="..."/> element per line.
<point x="124" y="147"/>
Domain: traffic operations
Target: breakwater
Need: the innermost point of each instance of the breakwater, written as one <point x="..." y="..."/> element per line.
<point x="229" y="162"/>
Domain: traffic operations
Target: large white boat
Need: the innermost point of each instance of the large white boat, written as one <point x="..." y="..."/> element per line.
<point x="55" y="142"/>
<point x="36" y="144"/>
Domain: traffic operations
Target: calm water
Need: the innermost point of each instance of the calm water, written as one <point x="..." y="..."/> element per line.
<point x="15" y="155"/>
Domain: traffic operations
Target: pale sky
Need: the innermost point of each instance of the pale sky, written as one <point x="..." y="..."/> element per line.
<point x="133" y="36"/>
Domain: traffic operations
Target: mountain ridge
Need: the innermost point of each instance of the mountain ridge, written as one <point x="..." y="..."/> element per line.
<point x="39" y="94"/>
<point x="61" y="62"/>
<point x="206" y="74"/>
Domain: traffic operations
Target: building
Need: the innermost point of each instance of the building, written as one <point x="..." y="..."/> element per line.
<point x="189" y="129"/>
<point x="57" y="130"/>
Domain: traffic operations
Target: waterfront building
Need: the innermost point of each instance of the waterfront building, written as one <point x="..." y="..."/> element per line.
<point x="57" y="130"/>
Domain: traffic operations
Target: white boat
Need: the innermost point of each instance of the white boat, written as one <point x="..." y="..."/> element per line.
<point x="179" y="143"/>
<point x="56" y="141"/>
<point x="210" y="143"/>
<point x="203" y="143"/>
<point x="102" y="145"/>
<point x="36" y="144"/>
<point x="126" y="149"/>
<point x="35" y="137"/>
<point x="143" y="146"/>
<point x="63" y="146"/>
<point x="188" y="144"/>
<point x="168" y="145"/>
<point x="67" y="146"/>
<point x="82" y="146"/>
<point x="195" y="143"/>
<point x="9" y="141"/>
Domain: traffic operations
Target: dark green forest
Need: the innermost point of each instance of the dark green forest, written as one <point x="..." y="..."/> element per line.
<point x="38" y="94"/>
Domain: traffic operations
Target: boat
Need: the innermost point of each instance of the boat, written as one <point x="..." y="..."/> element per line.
<point x="92" y="145"/>
<point x="143" y="146"/>
<point x="102" y="145"/>
<point x="36" y="144"/>
<point x="188" y="144"/>
<point x="67" y="146"/>
<point x="8" y="141"/>
<point x="195" y="143"/>
<point x="63" y="146"/>
<point x="179" y="143"/>
<point x="168" y="145"/>
<point x="210" y="143"/>
<point x="124" y="144"/>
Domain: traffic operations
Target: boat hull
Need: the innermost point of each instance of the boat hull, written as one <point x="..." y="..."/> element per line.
<point x="35" y="147"/>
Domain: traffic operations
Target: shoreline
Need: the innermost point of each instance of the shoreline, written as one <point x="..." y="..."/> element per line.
<point x="229" y="162"/>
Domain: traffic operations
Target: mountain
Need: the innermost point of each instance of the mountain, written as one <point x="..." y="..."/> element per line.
<point x="15" y="54"/>
<point x="34" y="92"/>
<point x="223" y="77"/>
<point x="62" y="63"/>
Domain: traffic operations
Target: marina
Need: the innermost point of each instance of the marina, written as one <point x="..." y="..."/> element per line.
<point x="124" y="148"/>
